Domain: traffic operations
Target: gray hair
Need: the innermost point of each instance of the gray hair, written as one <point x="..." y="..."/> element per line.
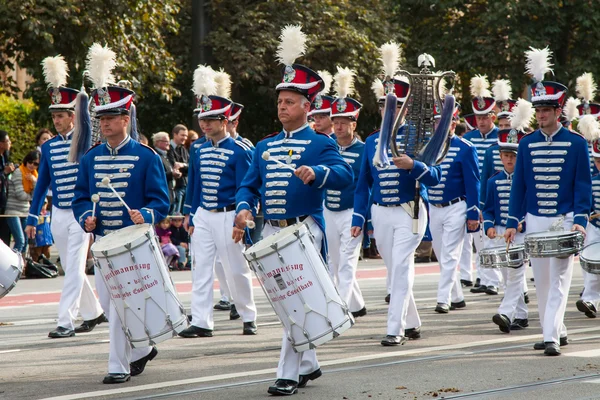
<point x="159" y="136"/>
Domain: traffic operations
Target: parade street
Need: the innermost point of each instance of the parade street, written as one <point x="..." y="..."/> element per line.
<point x="460" y="355"/>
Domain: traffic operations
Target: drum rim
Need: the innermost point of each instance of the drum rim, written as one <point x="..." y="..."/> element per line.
<point x="544" y="235"/>
<point x="517" y="248"/>
<point x="583" y="259"/>
<point x="120" y="249"/>
<point x="286" y="236"/>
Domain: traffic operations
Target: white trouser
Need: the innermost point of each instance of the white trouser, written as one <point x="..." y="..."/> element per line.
<point x="343" y="253"/>
<point x="447" y="226"/>
<point x="292" y="364"/>
<point x="120" y="352"/>
<point x="591" y="282"/>
<point x="393" y="229"/>
<point x="223" y="285"/>
<point x="212" y="238"/>
<point x="552" y="281"/>
<point x="488" y="276"/>
<point x="77" y="294"/>
<point x="466" y="258"/>
<point x="513" y="303"/>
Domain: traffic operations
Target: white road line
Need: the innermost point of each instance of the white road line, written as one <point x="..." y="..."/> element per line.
<point x="587" y="353"/>
<point x="10" y="351"/>
<point x="391" y="354"/>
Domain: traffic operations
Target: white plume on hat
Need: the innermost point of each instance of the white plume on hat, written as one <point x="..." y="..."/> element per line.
<point x="570" y="111"/>
<point x="522" y="115"/>
<point x="100" y="62"/>
<point x="390" y="58"/>
<point x="377" y="88"/>
<point x="344" y="82"/>
<point x="538" y="62"/>
<point x="480" y="86"/>
<point x="586" y="87"/>
<point x="327" y="81"/>
<point x="589" y="127"/>
<point x="501" y="89"/>
<point x="223" y="81"/>
<point x="292" y="44"/>
<point x="204" y="81"/>
<point x="55" y="71"/>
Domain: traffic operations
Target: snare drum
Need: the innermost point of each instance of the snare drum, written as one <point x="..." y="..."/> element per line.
<point x="590" y="258"/>
<point x="132" y="266"/>
<point x="498" y="257"/>
<point x="11" y="268"/>
<point x="560" y="244"/>
<point x="296" y="282"/>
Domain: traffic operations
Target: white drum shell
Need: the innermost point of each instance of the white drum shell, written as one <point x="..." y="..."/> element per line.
<point x="590" y="258"/>
<point x="131" y="264"/>
<point x="11" y="268"/>
<point x="296" y="282"/>
<point x="498" y="257"/>
<point x="560" y="244"/>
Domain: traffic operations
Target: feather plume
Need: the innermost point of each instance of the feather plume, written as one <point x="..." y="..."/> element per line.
<point x="223" y="81"/>
<point x="538" y="62"/>
<point x="443" y="90"/>
<point x="377" y="88"/>
<point x="480" y="86"/>
<point x="100" y="62"/>
<point x="327" y="81"/>
<point x="343" y="82"/>
<point x="501" y="89"/>
<point x="204" y="81"/>
<point x="390" y="58"/>
<point x="55" y="71"/>
<point x="292" y="44"/>
<point x="81" y="139"/>
<point x="522" y="114"/>
<point x="570" y="111"/>
<point x="586" y="87"/>
<point x="589" y="127"/>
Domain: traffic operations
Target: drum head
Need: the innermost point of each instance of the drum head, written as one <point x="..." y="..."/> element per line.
<point x="281" y="239"/>
<point x="591" y="252"/>
<point x="115" y="242"/>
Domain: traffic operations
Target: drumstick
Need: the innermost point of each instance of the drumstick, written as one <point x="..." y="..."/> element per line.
<point x="267" y="156"/>
<point x="594" y="216"/>
<point x="95" y="200"/>
<point x="106" y="181"/>
<point x="250" y="224"/>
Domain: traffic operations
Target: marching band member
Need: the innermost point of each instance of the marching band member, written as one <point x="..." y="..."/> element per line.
<point x="137" y="172"/>
<point x="343" y="249"/>
<point x="320" y="108"/>
<point x="553" y="195"/>
<point x="223" y="162"/>
<point x="59" y="175"/>
<point x="290" y="197"/>
<point x="512" y="313"/>
<point x="454" y="203"/>
<point x="586" y="91"/>
<point x="483" y="137"/>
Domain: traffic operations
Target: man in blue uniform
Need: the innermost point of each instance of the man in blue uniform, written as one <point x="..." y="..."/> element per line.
<point x="552" y="177"/>
<point x="291" y="197"/>
<point x="454" y="206"/>
<point x="320" y="108"/>
<point x="59" y="175"/>
<point x="137" y="172"/>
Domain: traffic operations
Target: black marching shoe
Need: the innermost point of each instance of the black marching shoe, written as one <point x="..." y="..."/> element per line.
<point x="61" y="332"/>
<point x="458" y="304"/>
<point x="519" y="323"/>
<point x="310" y="377"/>
<point x="502" y="321"/>
<point x="222" y="305"/>
<point x="250" y="328"/>
<point x="526" y="297"/>
<point x="387" y="298"/>
<point x="88" y="326"/>
<point x="116" y="378"/>
<point x="491" y="290"/>
<point x="233" y="314"/>
<point x="137" y="367"/>
<point x="552" y="349"/>
<point x="442" y="308"/>
<point x="360" y="313"/>
<point x="542" y="345"/>
<point x="413" y="333"/>
<point x="587" y="308"/>
<point x="477" y="282"/>
<point x="479" y="289"/>
<point x="391" y="340"/>
<point x="466" y="283"/>
<point x="195" y="331"/>
<point x="283" y="387"/>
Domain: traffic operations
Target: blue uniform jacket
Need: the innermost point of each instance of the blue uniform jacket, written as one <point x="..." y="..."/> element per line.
<point x="596" y="199"/>
<point x="491" y="164"/>
<point x="340" y="200"/>
<point x="137" y="174"/>
<point x="482" y="144"/>
<point x="220" y="171"/>
<point x="54" y="172"/>
<point x="192" y="172"/>
<point x="460" y="177"/>
<point x="390" y="185"/>
<point x="495" y="211"/>
<point x="552" y="176"/>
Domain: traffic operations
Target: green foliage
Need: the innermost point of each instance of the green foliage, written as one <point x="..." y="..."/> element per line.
<point x="15" y="118"/>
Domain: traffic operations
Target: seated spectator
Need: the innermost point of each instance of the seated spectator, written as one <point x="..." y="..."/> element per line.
<point x="169" y="250"/>
<point x="43" y="236"/>
<point x="180" y="238"/>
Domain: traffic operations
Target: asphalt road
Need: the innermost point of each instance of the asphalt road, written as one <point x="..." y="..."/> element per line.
<point x="460" y="355"/>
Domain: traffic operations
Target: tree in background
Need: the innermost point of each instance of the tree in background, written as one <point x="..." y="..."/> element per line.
<point x="15" y="118"/>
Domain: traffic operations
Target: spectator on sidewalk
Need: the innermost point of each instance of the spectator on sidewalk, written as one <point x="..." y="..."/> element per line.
<point x="179" y="156"/>
<point x="192" y="137"/>
<point x="161" y="144"/>
<point x="43" y="236"/>
<point x="180" y="238"/>
<point x="43" y="135"/>
<point x="6" y="168"/>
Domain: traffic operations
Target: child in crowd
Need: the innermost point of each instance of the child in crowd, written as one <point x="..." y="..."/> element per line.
<point x="43" y="236"/>
<point x="180" y="238"/>
<point x="169" y="250"/>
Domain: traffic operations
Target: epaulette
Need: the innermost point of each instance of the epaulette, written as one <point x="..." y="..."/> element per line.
<point x="577" y="133"/>
<point x="374" y="132"/>
<point x="247" y="142"/>
<point x="242" y="145"/>
<point x="465" y="141"/>
<point x="149" y="148"/>
<point x="88" y="150"/>
<point x="269" y="136"/>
